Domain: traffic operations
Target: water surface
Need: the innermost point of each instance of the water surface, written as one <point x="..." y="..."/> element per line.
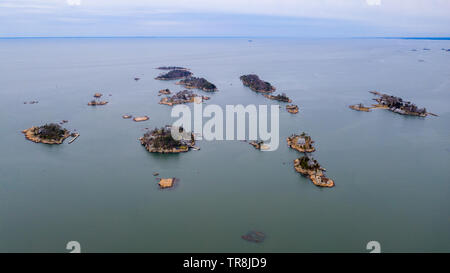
<point x="391" y="171"/>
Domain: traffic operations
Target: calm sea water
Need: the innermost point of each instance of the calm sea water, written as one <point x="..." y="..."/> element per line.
<point x="392" y="172"/>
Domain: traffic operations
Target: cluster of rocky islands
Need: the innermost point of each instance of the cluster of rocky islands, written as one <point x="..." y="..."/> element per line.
<point x="306" y="165"/>
<point x="253" y="82"/>
<point x="96" y="101"/>
<point x="394" y="104"/>
<point x="160" y="140"/>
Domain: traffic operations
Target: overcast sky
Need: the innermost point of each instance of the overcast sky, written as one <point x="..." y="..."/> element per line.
<point x="298" y="18"/>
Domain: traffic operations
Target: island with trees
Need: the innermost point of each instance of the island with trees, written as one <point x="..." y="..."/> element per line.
<point x="302" y="143"/>
<point x="198" y="83"/>
<point x="50" y="133"/>
<point x="310" y="168"/>
<point x="181" y="97"/>
<point x="160" y="140"/>
<point x="176" y="74"/>
<point x="394" y="104"/>
<point x="256" y="84"/>
<point x="280" y="97"/>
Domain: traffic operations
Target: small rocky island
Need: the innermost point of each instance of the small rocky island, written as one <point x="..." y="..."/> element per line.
<point x="164" y="91"/>
<point x="165" y="183"/>
<point x="302" y="143"/>
<point x="259" y="145"/>
<point x="293" y="109"/>
<point x="256" y="84"/>
<point x="280" y="97"/>
<point x="360" y="107"/>
<point x="139" y="119"/>
<point x="181" y="97"/>
<point x="96" y="101"/>
<point x="176" y="74"/>
<point x="394" y="104"/>
<point x="309" y="167"/>
<point x="51" y="133"/>
<point x="159" y="140"/>
<point x="198" y="83"/>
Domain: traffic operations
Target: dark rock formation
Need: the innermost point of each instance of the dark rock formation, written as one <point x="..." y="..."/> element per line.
<point x="174" y="75"/>
<point x="256" y="84"/>
<point x="199" y="83"/>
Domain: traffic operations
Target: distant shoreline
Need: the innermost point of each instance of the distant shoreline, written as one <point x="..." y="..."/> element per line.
<point x="218" y="37"/>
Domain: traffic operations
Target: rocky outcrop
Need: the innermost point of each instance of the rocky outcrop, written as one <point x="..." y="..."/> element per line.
<point x="280" y="97"/>
<point x="181" y="97"/>
<point x="310" y="168"/>
<point x="302" y="143"/>
<point x="293" y="109"/>
<point x="256" y="84"/>
<point x="174" y="75"/>
<point x="48" y="134"/>
<point x="198" y="83"/>
<point x="161" y="141"/>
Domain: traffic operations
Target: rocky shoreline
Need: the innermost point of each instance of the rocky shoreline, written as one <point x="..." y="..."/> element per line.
<point x="176" y="74"/>
<point x="393" y="104"/>
<point x="310" y="168"/>
<point x="36" y="134"/>
<point x="256" y="84"/>
<point x="302" y="143"/>
<point x="181" y="97"/>
<point x="198" y="83"/>
<point x="161" y="141"/>
<point x="293" y="109"/>
<point x="280" y="97"/>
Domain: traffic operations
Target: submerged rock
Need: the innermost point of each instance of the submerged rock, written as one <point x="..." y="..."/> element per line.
<point x="254" y="236"/>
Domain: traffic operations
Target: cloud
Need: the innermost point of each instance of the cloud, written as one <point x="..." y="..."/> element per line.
<point x="73" y="2"/>
<point x="373" y="2"/>
<point x="150" y="17"/>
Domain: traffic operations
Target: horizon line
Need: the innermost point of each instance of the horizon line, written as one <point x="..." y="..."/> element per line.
<point x="229" y="37"/>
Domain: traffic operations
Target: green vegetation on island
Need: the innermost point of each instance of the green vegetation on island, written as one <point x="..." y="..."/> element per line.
<point x="174" y="75"/>
<point x="160" y="140"/>
<point x="256" y="84"/>
<point x="198" y="83"/>
<point x="51" y="133"/>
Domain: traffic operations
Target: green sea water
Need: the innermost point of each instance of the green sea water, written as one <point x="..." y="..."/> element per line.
<point x="392" y="172"/>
